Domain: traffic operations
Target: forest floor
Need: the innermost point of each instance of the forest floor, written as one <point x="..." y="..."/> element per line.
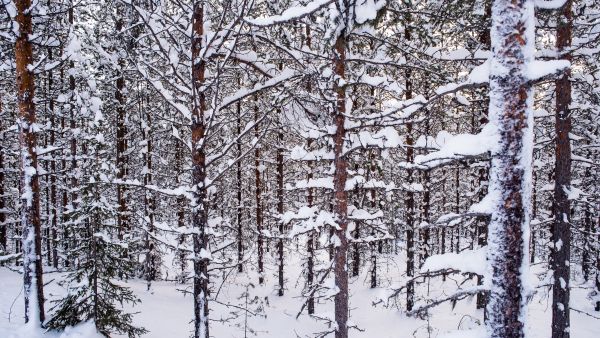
<point x="166" y="310"/>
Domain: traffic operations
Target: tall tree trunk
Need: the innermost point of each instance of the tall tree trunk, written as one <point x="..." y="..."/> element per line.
<point x="258" y="195"/>
<point x="409" y="204"/>
<point x="181" y="201"/>
<point x="532" y="241"/>
<point x="511" y="111"/>
<point x="409" y="201"/>
<point x="29" y="182"/>
<point x="561" y="232"/>
<point x="121" y="136"/>
<point x="373" y="245"/>
<point x="3" y="226"/>
<point x="310" y="241"/>
<point x="149" y="203"/>
<point x="310" y="244"/>
<point x="53" y="201"/>
<point x="280" y="209"/>
<point x="457" y="200"/>
<point x="238" y="175"/>
<point x="200" y="205"/>
<point x="340" y="241"/>
<point x="483" y="180"/>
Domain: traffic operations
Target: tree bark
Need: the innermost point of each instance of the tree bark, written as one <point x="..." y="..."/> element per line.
<point x="29" y="181"/>
<point x="259" y="211"/>
<point x="240" y="239"/>
<point x="511" y="111"/>
<point x="121" y="136"/>
<point x="3" y="226"/>
<point x="561" y="231"/>
<point x="280" y="203"/>
<point x="340" y="241"/>
<point x="409" y="201"/>
<point x="200" y="205"/>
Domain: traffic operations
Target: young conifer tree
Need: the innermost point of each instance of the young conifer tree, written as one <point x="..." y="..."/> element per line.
<point x="93" y="292"/>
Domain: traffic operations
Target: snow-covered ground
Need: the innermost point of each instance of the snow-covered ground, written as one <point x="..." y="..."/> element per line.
<point x="166" y="311"/>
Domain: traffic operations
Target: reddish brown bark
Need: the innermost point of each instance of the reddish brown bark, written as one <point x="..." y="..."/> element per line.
<point x="29" y="183"/>
<point x="510" y="110"/>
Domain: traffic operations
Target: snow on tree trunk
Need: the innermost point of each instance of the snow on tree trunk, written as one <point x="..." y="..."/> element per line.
<point x="3" y="226"/>
<point x="512" y="38"/>
<point x="258" y="198"/>
<point x="30" y="191"/>
<point x="199" y="205"/>
<point x="121" y="135"/>
<point x="561" y="232"/>
<point x="340" y="241"/>
<point x="280" y="206"/>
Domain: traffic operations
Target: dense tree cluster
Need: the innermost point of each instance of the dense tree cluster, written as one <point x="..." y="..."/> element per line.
<point x="189" y="140"/>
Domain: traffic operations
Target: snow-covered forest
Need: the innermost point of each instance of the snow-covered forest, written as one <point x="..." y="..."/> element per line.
<point x="299" y="168"/>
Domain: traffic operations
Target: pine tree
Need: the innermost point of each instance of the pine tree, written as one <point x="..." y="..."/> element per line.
<point x="512" y="38"/>
<point x="93" y="291"/>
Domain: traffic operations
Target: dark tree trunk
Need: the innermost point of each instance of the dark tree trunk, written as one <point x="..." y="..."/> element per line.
<point x="409" y="200"/>
<point x="341" y="197"/>
<point x="259" y="211"/>
<point x="3" y="226"/>
<point x="240" y="241"/>
<point x="29" y="183"/>
<point x="200" y="205"/>
<point x="280" y="210"/>
<point x="121" y="136"/>
<point x="149" y="202"/>
<point x="310" y="241"/>
<point x="373" y="245"/>
<point x="53" y="201"/>
<point x="561" y="232"/>
<point x="483" y="221"/>
<point x="181" y="202"/>
<point x="409" y="204"/>
<point x="310" y="245"/>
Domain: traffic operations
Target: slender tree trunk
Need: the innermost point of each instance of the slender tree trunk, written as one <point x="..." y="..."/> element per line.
<point x="457" y="201"/>
<point x="409" y="201"/>
<point x="482" y="228"/>
<point x="181" y="200"/>
<point x="561" y="231"/>
<point x="483" y="180"/>
<point x="240" y="238"/>
<point x="340" y="241"/>
<point x="259" y="211"/>
<point x="121" y="136"/>
<point x="53" y="201"/>
<point x="310" y="245"/>
<point x="511" y="110"/>
<point x="29" y="183"/>
<point x="310" y="241"/>
<point x="373" y="245"/>
<point x="200" y="205"/>
<point x="533" y="217"/>
<point x="280" y="210"/>
<point x="597" y="308"/>
<point x="3" y="226"/>
<point x="149" y="204"/>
